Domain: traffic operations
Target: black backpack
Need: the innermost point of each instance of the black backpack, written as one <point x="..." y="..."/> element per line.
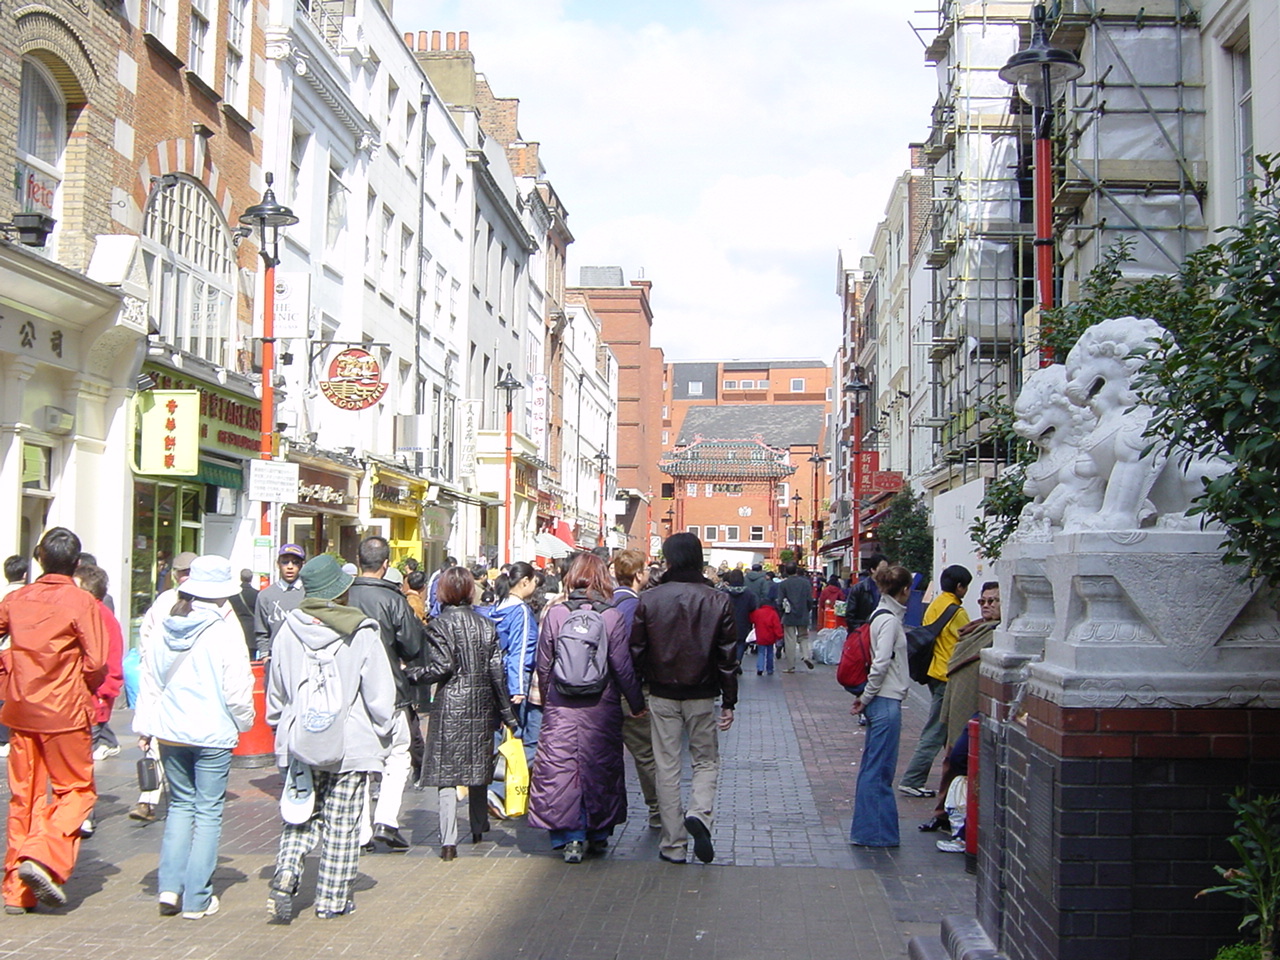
<point x="920" y="643"/>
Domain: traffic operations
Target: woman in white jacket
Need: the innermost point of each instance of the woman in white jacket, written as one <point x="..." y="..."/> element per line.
<point x="195" y="698"/>
<point x="875" y="809"/>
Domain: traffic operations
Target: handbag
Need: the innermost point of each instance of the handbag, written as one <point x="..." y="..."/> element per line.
<point x="148" y="775"/>
<point x="516" y="801"/>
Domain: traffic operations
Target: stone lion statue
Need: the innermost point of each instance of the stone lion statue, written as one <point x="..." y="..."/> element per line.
<point x="1045" y="416"/>
<point x="1143" y="484"/>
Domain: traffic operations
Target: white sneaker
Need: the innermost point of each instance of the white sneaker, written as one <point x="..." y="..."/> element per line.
<point x="104" y="750"/>
<point x="950" y="846"/>
<point x="208" y="911"/>
<point x="4" y="749"/>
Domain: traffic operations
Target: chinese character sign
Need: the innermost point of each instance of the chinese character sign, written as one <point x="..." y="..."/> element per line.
<point x="538" y="414"/>
<point x="170" y="432"/>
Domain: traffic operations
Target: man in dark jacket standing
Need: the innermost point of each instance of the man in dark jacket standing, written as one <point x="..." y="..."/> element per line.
<point x="381" y="600"/>
<point x="795" y="594"/>
<point x="683" y="641"/>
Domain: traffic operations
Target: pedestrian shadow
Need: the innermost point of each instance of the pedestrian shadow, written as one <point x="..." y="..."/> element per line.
<point x="306" y="896"/>
<point x="90" y="878"/>
<point x="224" y="878"/>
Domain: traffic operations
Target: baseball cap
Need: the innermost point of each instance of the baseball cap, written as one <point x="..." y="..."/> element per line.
<point x="292" y="550"/>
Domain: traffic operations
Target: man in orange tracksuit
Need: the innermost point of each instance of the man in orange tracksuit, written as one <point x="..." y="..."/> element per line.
<point x="56" y="660"/>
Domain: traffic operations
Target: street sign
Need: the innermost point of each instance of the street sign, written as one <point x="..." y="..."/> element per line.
<point x="273" y="481"/>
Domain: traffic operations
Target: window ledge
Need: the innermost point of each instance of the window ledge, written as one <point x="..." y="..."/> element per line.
<point x="200" y="84"/>
<point x="236" y="117"/>
<point x="162" y="49"/>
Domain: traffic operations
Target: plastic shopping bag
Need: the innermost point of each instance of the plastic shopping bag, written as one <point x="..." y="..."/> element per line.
<point x="517" y="799"/>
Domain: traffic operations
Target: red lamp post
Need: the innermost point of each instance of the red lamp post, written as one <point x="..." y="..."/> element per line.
<point x="858" y="388"/>
<point x="816" y="459"/>
<point x="509" y="385"/>
<point x="1041" y="73"/>
<point x="268" y="217"/>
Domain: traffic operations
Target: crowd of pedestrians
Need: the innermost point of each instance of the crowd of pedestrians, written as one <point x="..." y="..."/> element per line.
<point x="378" y="677"/>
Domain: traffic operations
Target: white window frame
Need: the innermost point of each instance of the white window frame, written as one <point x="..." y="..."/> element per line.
<point x="42" y="104"/>
<point x="794" y="382"/>
<point x="695" y="530"/>
<point x="335" y="209"/>
<point x="191" y="266"/>
<point x="235" y="83"/>
<point x="162" y="23"/>
<point x="407" y="240"/>
<point x="1242" y="121"/>
<point x="711" y="533"/>
<point x="731" y="385"/>
<point x="201" y="39"/>
<point x="694" y="388"/>
<point x="733" y="533"/>
<point x="756" y="534"/>
<point x="385" y="227"/>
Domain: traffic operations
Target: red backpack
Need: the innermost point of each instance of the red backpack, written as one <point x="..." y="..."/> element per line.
<point x="855" y="658"/>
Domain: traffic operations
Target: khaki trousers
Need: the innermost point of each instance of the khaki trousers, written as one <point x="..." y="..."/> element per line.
<point x="637" y="734"/>
<point x="671" y="719"/>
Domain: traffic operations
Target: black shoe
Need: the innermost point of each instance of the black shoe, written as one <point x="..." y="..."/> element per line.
<point x="348" y="907"/>
<point x="702" y="848"/>
<point x="37" y="879"/>
<point x="448" y="853"/>
<point x="280" y="902"/>
<point x="389" y="837"/>
<point x="936" y="822"/>
<point x="477" y="837"/>
<point x="597" y="847"/>
<point x="759" y="673"/>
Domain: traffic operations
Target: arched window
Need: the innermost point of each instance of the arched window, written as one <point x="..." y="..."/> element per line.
<point x="42" y="138"/>
<point x="190" y="263"/>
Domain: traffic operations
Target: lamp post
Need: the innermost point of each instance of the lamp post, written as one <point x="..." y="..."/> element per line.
<point x="508" y="385"/>
<point x="1040" y="73"/>
<point x="797" y="499"/>
<point x="815" y="458"/>
<point x="785" y="516"/>
<point x="602" y="459"/>
<point x="858" y="389"/>
<point x="269" y="217"/>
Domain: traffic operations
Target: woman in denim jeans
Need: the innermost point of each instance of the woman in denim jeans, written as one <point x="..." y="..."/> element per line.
<point x="875" y="808"/>
<point x="195" y="698"/>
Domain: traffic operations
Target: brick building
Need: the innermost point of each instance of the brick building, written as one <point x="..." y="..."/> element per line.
<point x="783" y="403"/>
<point x="626" y="325"/>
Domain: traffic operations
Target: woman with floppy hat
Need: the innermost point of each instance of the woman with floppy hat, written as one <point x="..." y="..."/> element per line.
<point x="195" y="698"/>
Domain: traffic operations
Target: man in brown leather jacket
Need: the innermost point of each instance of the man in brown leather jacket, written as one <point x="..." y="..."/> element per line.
<point x="56" y="661"/>
<point x="684" y="641"/>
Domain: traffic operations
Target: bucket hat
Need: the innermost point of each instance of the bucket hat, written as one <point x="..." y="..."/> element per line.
<point x="323" y="579"/>
<point x="210" y="579"/>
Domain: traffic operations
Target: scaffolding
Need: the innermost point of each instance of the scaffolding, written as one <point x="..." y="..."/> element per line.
<point x="1130" y="156"/>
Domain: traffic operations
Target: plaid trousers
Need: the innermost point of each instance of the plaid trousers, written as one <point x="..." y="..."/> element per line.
<point x="335" y="825"/>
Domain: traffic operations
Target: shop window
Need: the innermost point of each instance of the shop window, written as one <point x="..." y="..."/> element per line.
<point x="189" y="259"/>
<point x="42" y="138"/>
<point x="167" y="519"/>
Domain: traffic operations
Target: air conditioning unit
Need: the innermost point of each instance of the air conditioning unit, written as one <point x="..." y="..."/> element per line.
<point x="56" y="421"/>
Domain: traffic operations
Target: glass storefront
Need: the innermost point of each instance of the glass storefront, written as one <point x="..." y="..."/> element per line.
<point x="168" y="518"/>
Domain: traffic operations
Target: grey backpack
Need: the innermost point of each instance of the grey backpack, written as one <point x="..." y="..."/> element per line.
<point x="320" y="719"/>
<point x="581" y="664"/>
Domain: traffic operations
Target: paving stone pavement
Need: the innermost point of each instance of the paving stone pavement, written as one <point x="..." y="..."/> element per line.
<point x="785" y="881"/>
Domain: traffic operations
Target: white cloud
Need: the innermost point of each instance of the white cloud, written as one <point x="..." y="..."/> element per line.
<point x="727" y="147"/>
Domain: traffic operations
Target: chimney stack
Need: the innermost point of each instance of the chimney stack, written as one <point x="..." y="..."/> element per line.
<point x="435" y="40"/>
<point x="450" y="41"/>
<point x="464" y="40"/>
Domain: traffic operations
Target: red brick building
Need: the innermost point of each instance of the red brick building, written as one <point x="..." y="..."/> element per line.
<point x="782" y="404"/>
<point x="626" y="324"/>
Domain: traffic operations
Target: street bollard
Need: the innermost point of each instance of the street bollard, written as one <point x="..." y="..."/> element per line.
<point x="971" y="807"/>
<point x="257" y="746"/>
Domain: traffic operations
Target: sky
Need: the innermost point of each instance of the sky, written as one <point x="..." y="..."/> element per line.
<point x="725" y="150"/>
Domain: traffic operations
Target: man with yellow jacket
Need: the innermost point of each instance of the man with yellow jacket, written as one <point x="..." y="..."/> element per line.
<point x="954" y="582"/>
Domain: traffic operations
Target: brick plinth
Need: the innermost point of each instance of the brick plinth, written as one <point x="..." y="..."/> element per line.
<point x="1100" y="825"/>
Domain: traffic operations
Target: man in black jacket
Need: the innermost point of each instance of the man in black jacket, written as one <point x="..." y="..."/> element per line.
<point x="381" y="600"/>
<point x="684" y="641"/>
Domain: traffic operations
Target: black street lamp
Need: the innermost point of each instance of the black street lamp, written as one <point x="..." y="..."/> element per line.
<point x="508" y="385"/>
<point x="1041" y="74"/>
<point x="269" y="217"/>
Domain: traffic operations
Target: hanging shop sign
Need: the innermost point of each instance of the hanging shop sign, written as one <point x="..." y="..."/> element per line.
<point x="170" y="427"/>
<point x="229" y="424"/>
<point x="538" y="406"/>
<point x="355" y="380"/>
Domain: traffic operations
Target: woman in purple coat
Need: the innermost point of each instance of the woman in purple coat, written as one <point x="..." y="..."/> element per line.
<point x="577" y="790"/>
